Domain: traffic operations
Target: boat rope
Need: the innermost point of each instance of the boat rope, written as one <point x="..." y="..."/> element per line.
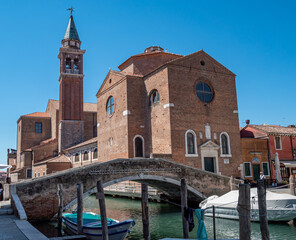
<point x="280" y="186"/>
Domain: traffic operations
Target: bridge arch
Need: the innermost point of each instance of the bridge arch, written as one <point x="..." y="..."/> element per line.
<point x="39" y="196"/>
<point x="172" y="185"/>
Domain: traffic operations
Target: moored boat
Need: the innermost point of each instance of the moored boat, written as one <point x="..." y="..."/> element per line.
<point x="92" y="226"/>
<point x="280" y="207"/>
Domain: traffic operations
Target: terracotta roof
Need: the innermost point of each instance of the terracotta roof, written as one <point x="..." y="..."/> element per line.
<point x="275" y="129"/>
<point x="60" y="158"/>
<point x="92" y="140"/>
<point x="147" y="54"/>
<point x="37" y="114"/>
<point x="45" y="142"/>
<point x="87" y="107"/>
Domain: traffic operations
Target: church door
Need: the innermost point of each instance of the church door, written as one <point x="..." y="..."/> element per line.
<point x="139" y="152"/>
<point x="209" y="164"/>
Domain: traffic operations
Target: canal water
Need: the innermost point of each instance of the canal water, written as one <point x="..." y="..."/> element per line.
<point x="166" y="221"/>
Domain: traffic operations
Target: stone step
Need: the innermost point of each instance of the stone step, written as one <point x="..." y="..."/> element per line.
<point x="6" y="211"/>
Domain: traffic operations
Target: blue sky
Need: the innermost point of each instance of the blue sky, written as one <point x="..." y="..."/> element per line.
<point x="254" y="39"/>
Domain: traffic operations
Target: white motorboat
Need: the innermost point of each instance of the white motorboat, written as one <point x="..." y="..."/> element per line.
<point x="280" y="207"/>
<point x="92" y="226"/>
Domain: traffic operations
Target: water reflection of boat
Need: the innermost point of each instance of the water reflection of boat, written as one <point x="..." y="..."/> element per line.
<point x="280" y="207"/>
<point x="92" y="226"/>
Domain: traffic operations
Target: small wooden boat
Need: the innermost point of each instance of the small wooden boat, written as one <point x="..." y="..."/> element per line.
<point x="92" y="226"/>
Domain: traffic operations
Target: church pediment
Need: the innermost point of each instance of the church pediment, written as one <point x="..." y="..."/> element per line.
<point x="209" y="145"/>
<point x="202" y="61"/>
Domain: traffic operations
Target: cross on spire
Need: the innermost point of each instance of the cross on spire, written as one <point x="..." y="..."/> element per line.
<point x="71" y="9"/>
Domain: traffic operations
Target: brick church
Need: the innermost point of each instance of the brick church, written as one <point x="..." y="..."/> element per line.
<point x="158" y="105"/>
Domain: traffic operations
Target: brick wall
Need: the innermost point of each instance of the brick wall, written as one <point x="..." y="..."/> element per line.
<point x="158" y="117"/>
<point x="45" y="151"/>
<point x="137" y="107"/>
<point x="112" y="130"/>
<point x="90" y="125"/>
<point x="191" y="113"/>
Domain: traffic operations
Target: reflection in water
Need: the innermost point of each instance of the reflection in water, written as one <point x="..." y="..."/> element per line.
<point x="166" y="221"/>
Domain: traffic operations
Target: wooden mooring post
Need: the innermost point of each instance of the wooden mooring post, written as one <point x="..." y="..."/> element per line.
<point x="184" y="204"/>
<point x="214" y="223"/>
<point x="261" y="191"/>
<point x="145" y="211"/>
<point x="292" y="185"/>
<point x="60" y="212"/>
<point x="79" y="208"/>
<point x="243" y="209"/>
<point x="101" y="197"/>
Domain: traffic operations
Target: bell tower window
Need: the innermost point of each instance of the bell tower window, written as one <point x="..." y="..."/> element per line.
<point x="76" y="66"/>
<point x="68" y="65"/>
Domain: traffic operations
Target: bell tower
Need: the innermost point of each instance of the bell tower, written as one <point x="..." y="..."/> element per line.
<point x="71" y="125"/>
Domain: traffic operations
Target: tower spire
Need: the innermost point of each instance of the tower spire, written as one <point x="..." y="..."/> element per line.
<point x="71" y="37"/>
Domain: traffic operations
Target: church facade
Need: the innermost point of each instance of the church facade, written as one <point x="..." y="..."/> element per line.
<point x="164" y="105"/>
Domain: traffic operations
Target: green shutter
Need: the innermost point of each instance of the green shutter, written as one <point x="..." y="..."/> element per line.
<point x="265" y="169"/>
<point x="247" y="169"/>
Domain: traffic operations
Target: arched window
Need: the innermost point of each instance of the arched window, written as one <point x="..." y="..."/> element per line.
<point x="224" y="144"/>
<point x="76" y="159"/>
<point x="154" y="97"/>
<point x="139" y="150"/>
<point x="68" y="65"/>
<point x="76" y="66"/>
<point x="95" y="154"/>
<point x="190" y="143"/>
<point x="85" y="156"/>
<point x="110" y="105"/>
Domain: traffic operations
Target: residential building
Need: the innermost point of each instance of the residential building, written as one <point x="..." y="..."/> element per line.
<point x="281" y="140"/>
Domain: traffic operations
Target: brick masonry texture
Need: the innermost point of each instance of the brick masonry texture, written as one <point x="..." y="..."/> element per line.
<point x="164" y="124"/>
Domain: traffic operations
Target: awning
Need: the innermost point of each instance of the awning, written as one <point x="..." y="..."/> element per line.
<point x="2" y="166"/>
<point x="289" y="164"/>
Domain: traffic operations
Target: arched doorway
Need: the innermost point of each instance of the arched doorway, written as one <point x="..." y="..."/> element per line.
<point x="139" y="150"/>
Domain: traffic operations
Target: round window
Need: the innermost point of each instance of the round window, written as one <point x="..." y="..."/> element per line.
<point x="204" y="92"/>
<point x="110" y="105"/>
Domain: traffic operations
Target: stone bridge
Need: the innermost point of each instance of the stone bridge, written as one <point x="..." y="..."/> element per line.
<point x="40" y="200"/>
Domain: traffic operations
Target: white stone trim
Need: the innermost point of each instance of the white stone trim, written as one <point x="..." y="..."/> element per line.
<point x="143" y="145"/>
<point x="228" y="144"/>
<point x="208" y="131"/>
<point x="235" y="111"/>
<point x="126" y="112"/>
<point x="213" y="153"/>
<point x="195" y="144"/>
<point x="168" y="105"/>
